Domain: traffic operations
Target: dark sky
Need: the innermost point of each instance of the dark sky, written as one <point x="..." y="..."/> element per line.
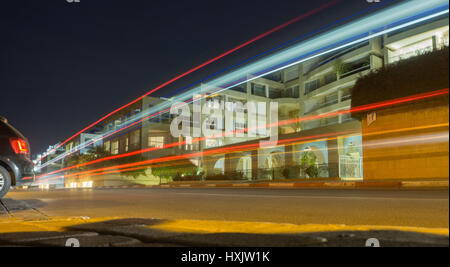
<point x="63" y="65"/>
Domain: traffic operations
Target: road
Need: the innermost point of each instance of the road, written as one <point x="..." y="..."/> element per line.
<point x="418" y="208"/>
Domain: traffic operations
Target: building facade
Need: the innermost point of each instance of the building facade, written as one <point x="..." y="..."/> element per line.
<point x="310" y="146"/>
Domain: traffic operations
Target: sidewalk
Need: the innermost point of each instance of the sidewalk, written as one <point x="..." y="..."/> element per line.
<point x="316" y="184"/>
<point x="293" y="184"/>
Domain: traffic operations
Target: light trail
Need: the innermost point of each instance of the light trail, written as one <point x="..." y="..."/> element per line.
<point x="249" y="147"/>
<point x="424" y="139"/>
<point x="401" y="141"/>
<point x="190" y="155"/>
<point x="303" y="119"/>
<point x="259" y="37"/>
<point x="390" y="16"/>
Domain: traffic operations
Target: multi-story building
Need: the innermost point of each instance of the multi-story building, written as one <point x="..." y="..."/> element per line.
<point x="333" y="145"/>
<point x="49" y="163"/>
<point x="321" y="86"/>
<point x="81" y="139"/>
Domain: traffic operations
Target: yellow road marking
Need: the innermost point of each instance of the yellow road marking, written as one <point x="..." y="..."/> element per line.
<point x="208" y="226"/>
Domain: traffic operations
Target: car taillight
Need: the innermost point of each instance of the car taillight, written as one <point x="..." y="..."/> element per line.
<point x="19" y="146"/>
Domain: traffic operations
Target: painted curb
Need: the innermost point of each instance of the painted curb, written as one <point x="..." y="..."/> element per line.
<point x="311" y="185"/>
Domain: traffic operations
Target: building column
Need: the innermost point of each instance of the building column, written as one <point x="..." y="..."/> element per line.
<point x="249" y="87"/>
<point x="288" y="156"/>
<point x="434" y="42"/>
<point x="339" y="101"/>
<point x="289" y="161"/>
<point x="333" y="158"/>
<point x="227" y="163"/>
<point x="254" y="158"/>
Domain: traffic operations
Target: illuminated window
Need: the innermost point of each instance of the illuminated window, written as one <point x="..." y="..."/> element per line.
<point x="127" y="141"/>
<point x="124" y="144"/>
<point x="276" y="76"/>
<point x="156" y="141"/>
<point x="330" y="77"/>
<point x="240" y="126"/>
<point x="213" y="143"/>
<point x="189" y="145"/>
<point x="274" y="93"/>
<point x="259" y="90"/>
<point x="291" y="73"/>
<point x="312" y="85"/>
<point x="240" y="88"/>
<point x="411" y="50"/>
<point x="135" y="139"/>
<point x="296" y="91"/>
<point x="107" y="146"/>
<point x="115" y="147"/>
<point x="69" y="147"/>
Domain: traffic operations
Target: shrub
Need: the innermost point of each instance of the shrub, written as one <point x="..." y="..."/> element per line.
<point x="420" y="74"/>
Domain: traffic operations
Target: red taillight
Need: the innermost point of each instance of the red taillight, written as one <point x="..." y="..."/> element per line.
<point x="19" y="146"/>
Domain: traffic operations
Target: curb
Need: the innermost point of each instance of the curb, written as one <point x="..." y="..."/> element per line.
<point x="284" y="185"/>
<point x="312" y="185"/>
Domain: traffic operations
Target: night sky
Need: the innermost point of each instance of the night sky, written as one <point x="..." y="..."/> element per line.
<point x="63" y="65"/>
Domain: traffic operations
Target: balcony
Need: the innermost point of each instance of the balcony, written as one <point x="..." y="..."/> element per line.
<point x="346" y="97"/>
<point x="325" y="104"/>
<point x="408" y="54"/>
<point x="349" y="79"/>
<point x="329" y="106"/>
<point x="355" y="70"/>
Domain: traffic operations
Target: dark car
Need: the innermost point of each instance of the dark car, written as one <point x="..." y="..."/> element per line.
<point x="16" y="167"/>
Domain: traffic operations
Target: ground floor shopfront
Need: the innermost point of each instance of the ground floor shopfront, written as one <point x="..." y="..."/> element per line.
<point x="333" y="151"/>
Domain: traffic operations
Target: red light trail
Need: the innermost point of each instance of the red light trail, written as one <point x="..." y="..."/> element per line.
<point x="313" y="117"/>
<point x="196" y="154"/>
<point x="170" y="159"/>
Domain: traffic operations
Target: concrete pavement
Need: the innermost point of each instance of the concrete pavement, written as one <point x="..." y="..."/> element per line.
<point x="421" y="208"/>
<point x="217" y="217"/>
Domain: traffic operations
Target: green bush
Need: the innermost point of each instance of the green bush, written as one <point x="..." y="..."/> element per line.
<point x="180" y="170"/>
<point x="227" y="176"/>
<point x="312" y="171"/>
<point x="187" y="177"/>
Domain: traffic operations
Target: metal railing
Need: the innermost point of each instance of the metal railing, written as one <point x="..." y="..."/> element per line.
<point x="350" y="167"/>
<point x="362" y="68"/>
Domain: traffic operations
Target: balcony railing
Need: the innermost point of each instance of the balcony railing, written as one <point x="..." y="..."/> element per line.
<point x="346" y="97"/>
<point x="326" y="104"/>
<point x="351" y="72"/>
<point x="409" y="54"/>
<point x="313" y="85"/>
<point x="350" y="167"/>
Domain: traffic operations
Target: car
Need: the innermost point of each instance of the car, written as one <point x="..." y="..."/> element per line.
<point x="16" y="167"/>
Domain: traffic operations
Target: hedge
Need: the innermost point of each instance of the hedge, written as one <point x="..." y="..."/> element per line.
<point x="423" y="73"/>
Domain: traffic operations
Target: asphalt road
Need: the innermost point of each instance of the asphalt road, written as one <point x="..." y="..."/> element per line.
<point x="427" y="208"/>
